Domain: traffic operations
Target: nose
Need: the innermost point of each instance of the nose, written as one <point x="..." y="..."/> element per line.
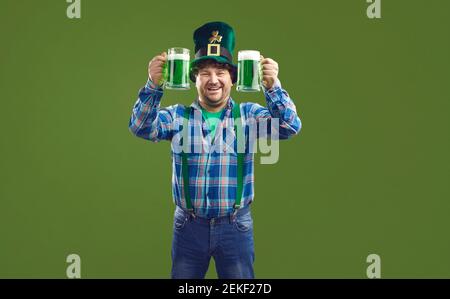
<point x="213" y="79"/>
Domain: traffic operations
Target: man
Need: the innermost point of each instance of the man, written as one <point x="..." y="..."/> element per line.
<point x="212" y="188"/>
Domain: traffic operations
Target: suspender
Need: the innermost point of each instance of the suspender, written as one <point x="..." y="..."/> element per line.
<point x="240" y="156"/>
<point x="184" y="165"/>
<point x="240" y="146"/>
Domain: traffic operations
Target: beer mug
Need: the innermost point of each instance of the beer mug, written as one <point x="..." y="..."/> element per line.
<point x="249" y="77"/>
<point x="177" y="69"/>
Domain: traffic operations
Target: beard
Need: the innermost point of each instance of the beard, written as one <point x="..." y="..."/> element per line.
<point x="212" y="102"/>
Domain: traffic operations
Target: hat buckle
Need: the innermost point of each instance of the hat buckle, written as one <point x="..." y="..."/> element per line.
<point x="213" y="50"/>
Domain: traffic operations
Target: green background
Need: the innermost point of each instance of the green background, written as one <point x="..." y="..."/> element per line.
<point x="369" y="172"/>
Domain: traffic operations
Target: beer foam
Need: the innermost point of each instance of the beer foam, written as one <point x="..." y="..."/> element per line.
<point x="178" y="56"/>
<point x="249" y="55"/>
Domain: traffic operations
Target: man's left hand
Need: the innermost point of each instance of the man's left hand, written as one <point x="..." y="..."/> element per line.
<point x="269" y="70"/>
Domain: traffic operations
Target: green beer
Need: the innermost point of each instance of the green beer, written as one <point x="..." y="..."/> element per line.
<point x="248" y="71"/>
<point x="177" y="69"/>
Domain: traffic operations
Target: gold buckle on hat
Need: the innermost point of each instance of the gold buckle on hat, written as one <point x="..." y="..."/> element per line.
<point x="213" y="50"/>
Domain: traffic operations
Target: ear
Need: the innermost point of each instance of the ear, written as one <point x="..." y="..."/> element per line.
<point x="196" y="79"/>
<point x="233" y="76"/>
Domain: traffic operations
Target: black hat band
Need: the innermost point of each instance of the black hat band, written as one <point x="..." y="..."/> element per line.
<point x="213" y="52"/>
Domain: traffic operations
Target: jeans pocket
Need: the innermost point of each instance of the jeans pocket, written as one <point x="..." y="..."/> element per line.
<point x="244" y="223"/>
<point x="179" y="221"/>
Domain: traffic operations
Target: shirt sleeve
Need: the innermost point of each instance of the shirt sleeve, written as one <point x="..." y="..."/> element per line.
<point x="148" y="120"/>
<point x="280" y="107"/>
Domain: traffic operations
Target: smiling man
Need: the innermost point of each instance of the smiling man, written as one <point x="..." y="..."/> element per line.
<point x="212" y="189"/>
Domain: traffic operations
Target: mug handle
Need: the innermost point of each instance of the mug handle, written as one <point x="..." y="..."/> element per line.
<point x="260" y="73"/>
<point x="165" y="75"/>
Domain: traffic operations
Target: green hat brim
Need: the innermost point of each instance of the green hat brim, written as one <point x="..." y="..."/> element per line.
<point x="219" y="59"/>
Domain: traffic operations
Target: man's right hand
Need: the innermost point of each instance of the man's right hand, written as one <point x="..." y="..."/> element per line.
<point x="156" y="68"/>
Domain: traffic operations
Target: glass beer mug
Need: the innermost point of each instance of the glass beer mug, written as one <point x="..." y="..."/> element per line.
<point x="249" y="77"/>
<point x="177" y="69"/>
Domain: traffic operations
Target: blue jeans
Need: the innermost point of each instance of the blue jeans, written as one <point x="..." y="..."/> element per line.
<point x="229" y="240"/>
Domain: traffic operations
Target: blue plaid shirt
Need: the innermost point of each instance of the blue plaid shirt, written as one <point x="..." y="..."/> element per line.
<point x="213" y="180"/>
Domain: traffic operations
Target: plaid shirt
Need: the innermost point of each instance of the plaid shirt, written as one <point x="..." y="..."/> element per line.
<point x="213" y="180"/>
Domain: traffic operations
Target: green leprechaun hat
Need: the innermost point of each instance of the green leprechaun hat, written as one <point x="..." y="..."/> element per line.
<point x="214" y="40"/>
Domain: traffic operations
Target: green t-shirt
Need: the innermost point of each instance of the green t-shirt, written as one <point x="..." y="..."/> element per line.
<point x="212" y="119"/>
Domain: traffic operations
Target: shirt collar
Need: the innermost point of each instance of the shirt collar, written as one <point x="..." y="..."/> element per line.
<point x="229" y="105"/>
